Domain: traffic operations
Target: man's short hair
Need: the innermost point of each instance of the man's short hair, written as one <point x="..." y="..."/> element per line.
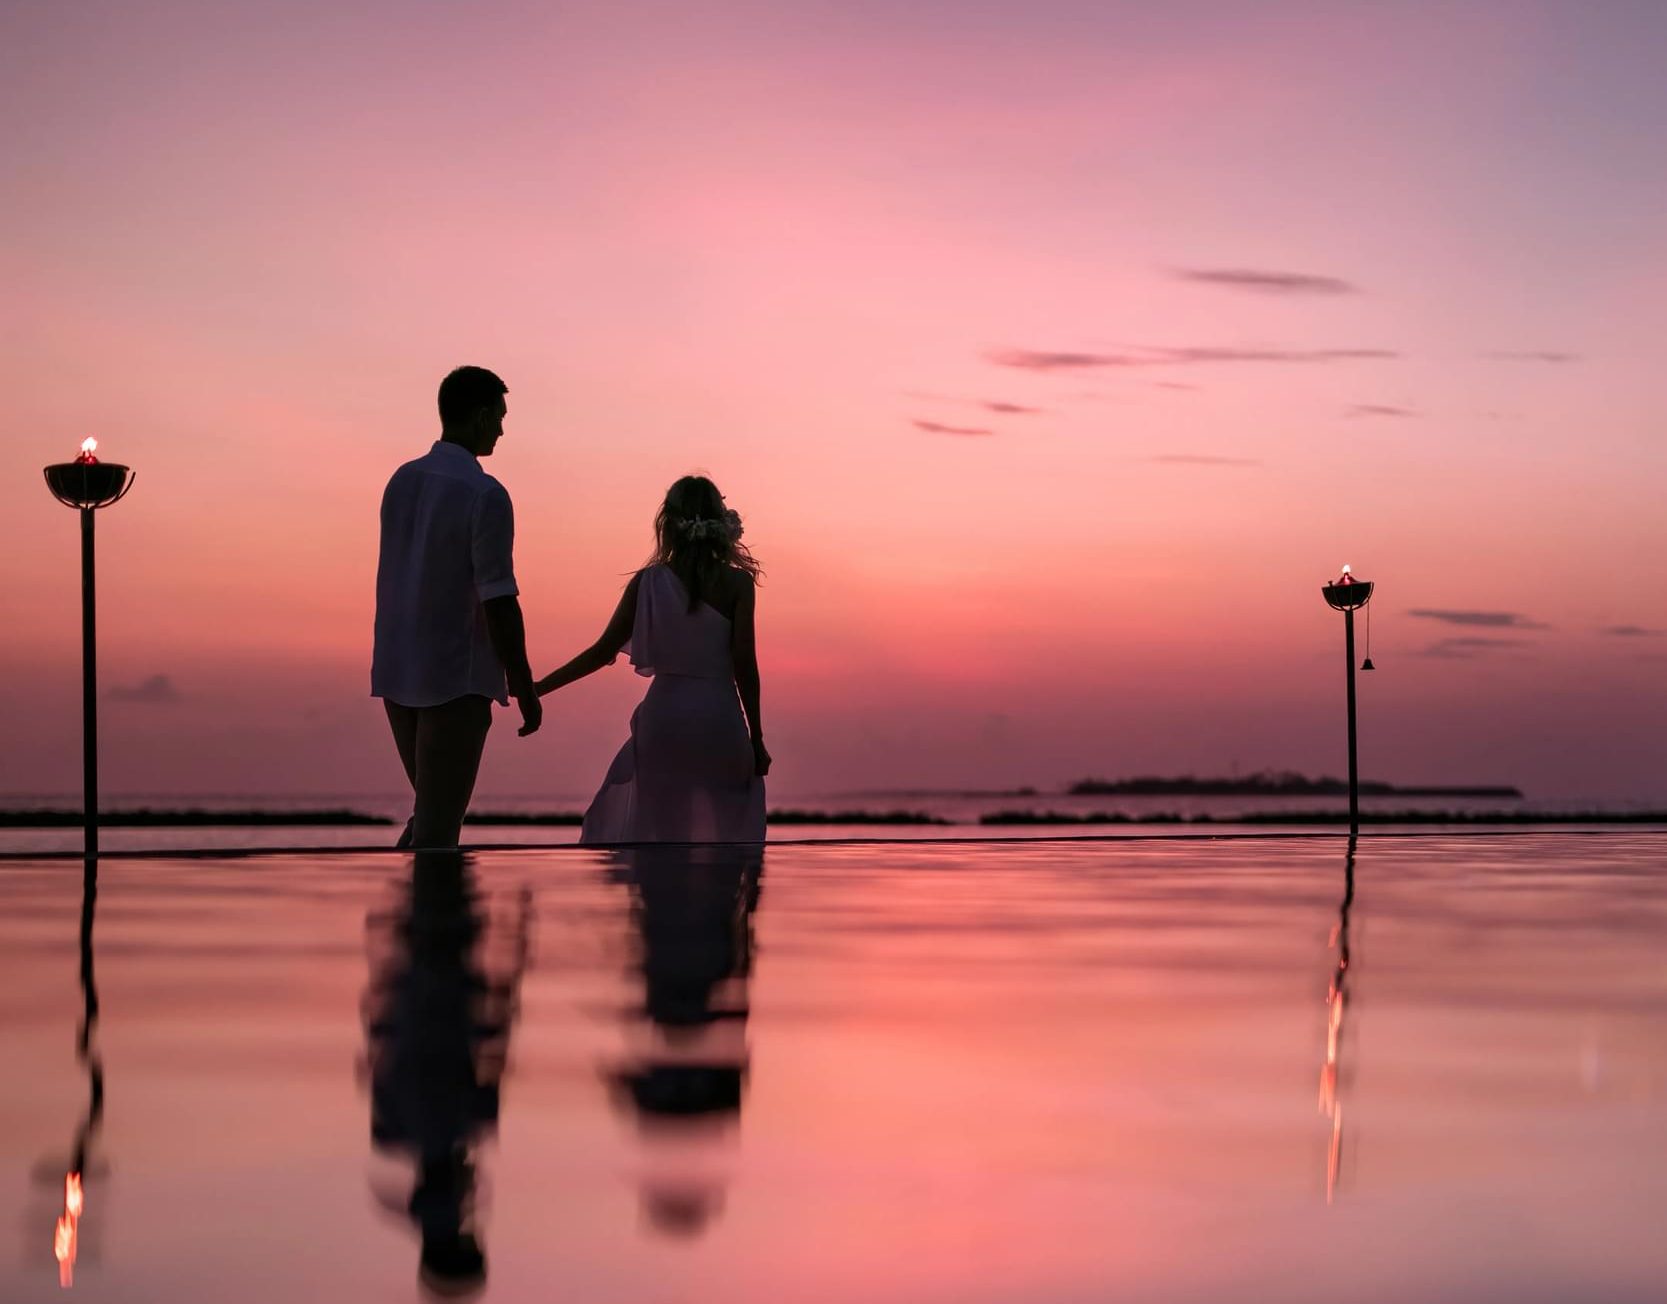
<point x="465" y="392"/>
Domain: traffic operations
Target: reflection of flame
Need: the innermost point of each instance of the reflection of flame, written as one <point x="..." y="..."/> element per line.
<point x="1337" y="1001"/>
<point x="1330" y="1104"/>
<point x="64" y="1236"/>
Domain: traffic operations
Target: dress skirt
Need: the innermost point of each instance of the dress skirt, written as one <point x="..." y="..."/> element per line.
<point x="686" y="772"/>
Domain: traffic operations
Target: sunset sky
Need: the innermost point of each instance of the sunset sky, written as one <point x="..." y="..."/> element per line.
<point x="1055" y="354"/>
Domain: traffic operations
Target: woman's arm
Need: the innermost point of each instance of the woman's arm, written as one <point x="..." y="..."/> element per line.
<point x="604" y="650"/>
<point x="743" y="653"/>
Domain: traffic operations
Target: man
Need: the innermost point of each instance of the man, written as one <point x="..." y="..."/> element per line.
<point x="449" y="631"/>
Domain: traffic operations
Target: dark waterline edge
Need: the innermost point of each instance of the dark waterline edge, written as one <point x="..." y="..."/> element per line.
<point x="255" y="853"/>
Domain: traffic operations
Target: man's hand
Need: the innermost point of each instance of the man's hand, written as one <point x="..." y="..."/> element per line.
<point x="760" y="758"/>
<point x="532" y="711"/>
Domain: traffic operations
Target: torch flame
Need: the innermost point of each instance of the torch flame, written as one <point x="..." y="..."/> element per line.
<point x="87" y="446"/>
<point x="1345" y="564"/>
<point x="64" y="1235"/>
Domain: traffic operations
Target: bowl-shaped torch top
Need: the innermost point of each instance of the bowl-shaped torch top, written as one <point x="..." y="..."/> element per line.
<point x="88" y="484"/>
<point x="1347" y="593"/>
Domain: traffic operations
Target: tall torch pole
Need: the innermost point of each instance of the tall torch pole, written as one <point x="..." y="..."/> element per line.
<point x="1354" y="765"/>
<point x="87" y="484"/>
<point x="89" y="688"/>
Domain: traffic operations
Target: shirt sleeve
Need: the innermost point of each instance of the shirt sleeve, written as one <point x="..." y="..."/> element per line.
<point x="492" y="543"/>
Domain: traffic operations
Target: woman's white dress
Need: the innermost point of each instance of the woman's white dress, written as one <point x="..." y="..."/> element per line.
<point x="686" y="772"/>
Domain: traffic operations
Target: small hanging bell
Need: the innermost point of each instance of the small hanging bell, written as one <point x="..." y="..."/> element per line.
<point x="1367" y="664"/>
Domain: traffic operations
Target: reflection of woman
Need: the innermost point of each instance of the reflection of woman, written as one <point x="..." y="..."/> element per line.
<point x="436" y="1034"/>
<point x="693" y="769"/>
<point x="685" y="1075"/>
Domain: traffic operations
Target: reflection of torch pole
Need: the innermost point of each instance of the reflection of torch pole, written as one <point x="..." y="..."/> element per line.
<point x="67" y="1231"/>
<point x="1346" y="594"/>
<point x="88" y="484"/>
<point x="1337" y="1004"/>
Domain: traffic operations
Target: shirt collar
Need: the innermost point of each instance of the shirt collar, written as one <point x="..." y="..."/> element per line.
<point x="445" y="448"/>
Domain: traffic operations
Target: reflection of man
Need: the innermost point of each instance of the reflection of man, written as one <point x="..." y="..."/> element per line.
<point x="437" y="1031"/>
<point x="448" y="623"/>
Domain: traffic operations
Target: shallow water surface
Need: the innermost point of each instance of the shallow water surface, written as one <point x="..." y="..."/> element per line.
<point x="1157" y="1070"/>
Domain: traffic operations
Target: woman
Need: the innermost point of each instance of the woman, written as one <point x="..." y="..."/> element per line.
<point x="693" y="769"/>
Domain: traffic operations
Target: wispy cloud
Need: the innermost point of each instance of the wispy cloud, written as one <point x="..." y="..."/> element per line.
<point x="1633" y="631"/>
<point x="1009" y="409"/>
<point x="1484" y="619"/>
<point x="1378" y="410"/>
<point x="158" y="688"/>
<point x="1177" y="384"/>
<point x="1265" y="282"/>
<point x="1205" y="459"/>
<point x="999" y="406"/>
<point x="1465" y="649"/>
<point x="1532" y="355"/>
<point x="1044" y="360"/>
<point x="938" y="428"/>
<point x="1193" y="355"/>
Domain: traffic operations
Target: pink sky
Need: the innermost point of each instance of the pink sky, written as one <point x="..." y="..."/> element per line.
<point x="788" y="245"/>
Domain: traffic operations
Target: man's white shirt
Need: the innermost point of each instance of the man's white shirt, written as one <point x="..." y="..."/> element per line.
<point x="448" y="531"/>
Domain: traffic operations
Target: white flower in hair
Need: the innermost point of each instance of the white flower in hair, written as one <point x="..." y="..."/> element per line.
<point x="727" y="527"/>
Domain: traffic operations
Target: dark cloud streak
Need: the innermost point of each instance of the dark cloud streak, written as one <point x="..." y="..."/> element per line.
<point x="1466" y="649"/>
<point x="1378" y="410"/>
<point x="158" y="688"/>
<point x="1265" y="282"/>
<point x="938" y="428"/>
<point x="1009" y="409"/>
<point x="1193" y="355"/>
<point x="1482" y="619"/>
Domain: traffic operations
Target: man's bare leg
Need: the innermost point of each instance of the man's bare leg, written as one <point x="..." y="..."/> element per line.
<point x="449" y="742"/>
<point x="403" y="721"/>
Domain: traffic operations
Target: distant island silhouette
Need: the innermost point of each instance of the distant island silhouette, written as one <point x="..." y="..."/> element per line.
<point x="1032" y="818"/>
<point x="1271" y="783"/>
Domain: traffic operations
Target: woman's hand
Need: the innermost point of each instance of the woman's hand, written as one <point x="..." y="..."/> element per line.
<point x="760" y="758"/>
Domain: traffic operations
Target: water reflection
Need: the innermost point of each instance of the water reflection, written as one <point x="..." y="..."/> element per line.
<point x="439" y="1008"/>
<point x="683" y="1076"/>
<point x="70" y="1174"/>
<point x="1337" y="1004"/>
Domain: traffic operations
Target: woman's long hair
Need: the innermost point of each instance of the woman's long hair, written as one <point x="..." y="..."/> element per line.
<point x="697" y="536"/>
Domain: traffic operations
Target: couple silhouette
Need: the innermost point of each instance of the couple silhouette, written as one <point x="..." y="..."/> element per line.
<point x="450" y="640"/>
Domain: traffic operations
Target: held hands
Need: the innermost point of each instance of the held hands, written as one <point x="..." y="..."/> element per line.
<point x="532" y="710"/>
<point x="760" y="758"/>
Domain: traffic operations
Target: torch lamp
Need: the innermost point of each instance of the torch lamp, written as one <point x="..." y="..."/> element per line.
<point x="1347" y="594"/>
<point x="88" y="484"/>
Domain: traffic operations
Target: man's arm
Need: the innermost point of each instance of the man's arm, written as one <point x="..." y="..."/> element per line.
<point x="491" y="550"/>
<point x="508" y="632"/>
